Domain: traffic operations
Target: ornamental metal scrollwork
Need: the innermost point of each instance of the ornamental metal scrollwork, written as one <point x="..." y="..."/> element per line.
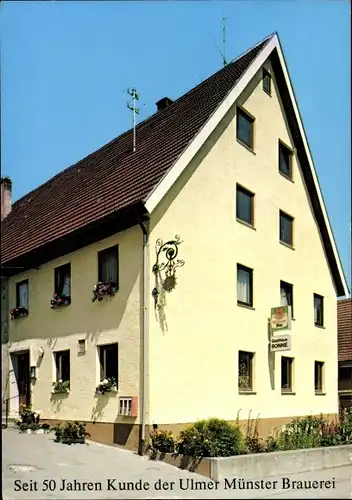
<point x="166" y="264"/>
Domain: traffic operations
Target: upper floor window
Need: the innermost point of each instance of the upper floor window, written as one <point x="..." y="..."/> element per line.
<point x="266" y="81"/>
<point x="286" y="229"/>
<point x="63" y="281"/>
<point x="244" y="130"/>
<point x="318" y="310"/>
<point x="285" y="160"/>
<point x="108" y="266"/>
<point x="286" y="292"/>
<point x="244" y="285"/>
<point x="22" y="294"/>
<point x="244" y="205"/>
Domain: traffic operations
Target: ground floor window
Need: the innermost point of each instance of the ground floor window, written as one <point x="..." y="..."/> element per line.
<point x="108" y="357"/>
<point x="245" y="371"/>
<point x="286" y="374"/>
<point x="62" y="363"/>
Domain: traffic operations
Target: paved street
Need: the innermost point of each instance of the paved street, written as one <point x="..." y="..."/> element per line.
<point x="34" y="463"/>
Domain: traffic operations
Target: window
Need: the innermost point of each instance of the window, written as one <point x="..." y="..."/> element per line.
<point x="318" y="376"/>
<point x="318" y="310"/>
<point x="286" y="229"/>
<point x="266" y="81"/>
<point x="108" y="357"/>
<point x="285" y="160"/>
<point x="244" y="205"/>
<point x="22" y="294"/>
<point x="286" y="292"/>
<point x="108" y="266"/>
<point x="286" y="374"/>
<point x="62" y="363"/>
<point x="63" y="281"/>
<point x="245" y="371"/>
<point x="244" y="128"/>
<point x="244" y="285"/>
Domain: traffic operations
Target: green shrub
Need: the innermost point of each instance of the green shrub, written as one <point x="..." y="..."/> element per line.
<point x="253" y="443"/>
<point x="71" y="432"/>
<point x="162" y="441"/>
<point x="211" y="438"/>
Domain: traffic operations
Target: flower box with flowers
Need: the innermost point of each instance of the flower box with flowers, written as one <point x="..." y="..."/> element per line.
<point x="107" y="385"/>
<point x="18" y="312"/>
<point x="61" y="387"/>
<point x="102" y="289"/>
<point x="59" y="300"/>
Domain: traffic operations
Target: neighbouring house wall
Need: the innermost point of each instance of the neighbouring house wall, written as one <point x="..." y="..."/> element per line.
<point x="4" y="343"/>
<point x="195" y="337"/>
<point x="112" y="320"/>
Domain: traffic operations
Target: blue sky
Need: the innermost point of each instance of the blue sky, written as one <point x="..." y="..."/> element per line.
<point x="66" y="67"/>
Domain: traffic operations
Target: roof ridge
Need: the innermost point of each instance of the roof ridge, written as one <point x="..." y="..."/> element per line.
<point x="139" y="126"/>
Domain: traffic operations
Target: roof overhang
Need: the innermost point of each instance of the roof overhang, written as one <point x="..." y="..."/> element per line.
<point x="272" y="48"/>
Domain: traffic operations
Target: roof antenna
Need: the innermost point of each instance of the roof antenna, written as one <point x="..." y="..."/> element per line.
<point x="224" y="41"/>
<point x="132" y="106"/>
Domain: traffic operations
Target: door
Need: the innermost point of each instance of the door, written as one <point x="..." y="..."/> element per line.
<point x="24" y="387"/>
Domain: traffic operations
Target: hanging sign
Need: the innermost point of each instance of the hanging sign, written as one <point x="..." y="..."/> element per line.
<point x="280" y="318"/>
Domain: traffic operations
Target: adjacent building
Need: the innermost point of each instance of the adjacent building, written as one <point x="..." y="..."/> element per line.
<point x="141" y="282"/>
<point x="344" y="325"/>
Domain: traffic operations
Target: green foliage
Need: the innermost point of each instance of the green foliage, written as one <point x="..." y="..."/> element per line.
<point x="162" y="441"/>
<point x="211" y="438"/>
<point x="106" y="385"/>
<point x="253" y="443"/>
<point x="71" y="432"/>
<point x="62" y="386"/>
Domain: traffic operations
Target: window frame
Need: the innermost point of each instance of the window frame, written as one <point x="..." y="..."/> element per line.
<point x="290" y="362"/>
<point x="286" y="149"/>
<point x="317" y="296"/>
<point x="250" y="118"/>
<point x="101" y="255"/>
<point x="250" y="195"/>
<point x="288" y="217"/>
<point x="59" y="276"/>
<point x="266" y="73"/>
<point x="58" y="356"/>
<point x="102" y="349"/>
<point x="320" y="365"/>
<point x="250" y="272"/>
<point x="250" y="357"/>
<point x="289" y="286"/>
<point x="18" y="286"/>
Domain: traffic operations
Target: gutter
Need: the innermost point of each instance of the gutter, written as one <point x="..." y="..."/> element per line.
<point x="145" y="340"/>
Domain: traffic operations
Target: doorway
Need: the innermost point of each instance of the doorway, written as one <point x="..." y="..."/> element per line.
<point x="23" y="380"/>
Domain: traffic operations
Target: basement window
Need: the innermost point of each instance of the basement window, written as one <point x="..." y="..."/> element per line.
<point x="108" y="357"/>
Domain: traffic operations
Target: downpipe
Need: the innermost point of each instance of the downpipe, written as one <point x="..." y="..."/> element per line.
<point x="145" y="332"/>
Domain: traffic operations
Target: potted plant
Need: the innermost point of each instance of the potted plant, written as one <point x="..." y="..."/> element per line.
<point x="102" y="289"/>
<point x="18" y="312"/>
<point x="59" y="300"/>
<point x="61" y="386"/>
<point x="107" y="385"/>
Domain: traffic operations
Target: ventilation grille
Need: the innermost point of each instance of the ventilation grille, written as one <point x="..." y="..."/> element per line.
<point x="81" y="346"/>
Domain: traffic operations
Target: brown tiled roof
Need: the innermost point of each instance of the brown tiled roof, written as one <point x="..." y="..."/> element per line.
<point x="344" y="329"/>
<point x="115" y="177"/>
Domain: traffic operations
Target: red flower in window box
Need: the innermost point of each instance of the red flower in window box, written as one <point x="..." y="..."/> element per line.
<point x="18" y="312"/>
<point x="103" y="288"/>
<point x="59" y="300"/>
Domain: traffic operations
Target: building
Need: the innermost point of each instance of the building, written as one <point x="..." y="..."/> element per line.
<point x="213" y="220"/>
<point x="344" y="328"/>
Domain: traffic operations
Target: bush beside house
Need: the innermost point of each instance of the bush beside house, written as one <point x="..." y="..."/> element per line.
<point x="218" y="438"/>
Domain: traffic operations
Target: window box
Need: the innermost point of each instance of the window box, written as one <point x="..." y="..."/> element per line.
<point x="107" y="385"/>
<point x="61" y="387"/>
<point x="103" y="289"/>
<point x="19" y="312"/>
<point x="59" y="301"/>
